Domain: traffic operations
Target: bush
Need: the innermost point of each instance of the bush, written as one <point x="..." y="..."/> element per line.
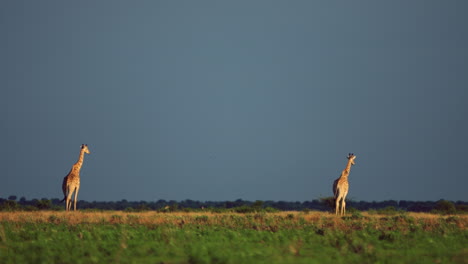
<point x="461" y="208"/>
<point x="356" y="214"/>
<point x="244" y="209"/>
<point x="9" y="205"/>
<point x="352" y="210"/>
<point x="43" y="204"/>
<point x="328" y="202"/>
<point x="445" y="207"/>
<point x="270" y="210"/>
<point x="389" y="210"/>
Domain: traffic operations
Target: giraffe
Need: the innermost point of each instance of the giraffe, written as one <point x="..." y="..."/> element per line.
<point x="71" y="182"/>
<point x="341" y="186"/>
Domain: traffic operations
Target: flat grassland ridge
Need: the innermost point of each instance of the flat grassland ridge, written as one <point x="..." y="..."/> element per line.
<point x="204" y="237"/>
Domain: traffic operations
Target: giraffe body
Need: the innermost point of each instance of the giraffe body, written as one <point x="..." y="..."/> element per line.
<point x="341" y="187"/>
<point x="71" y="182"/>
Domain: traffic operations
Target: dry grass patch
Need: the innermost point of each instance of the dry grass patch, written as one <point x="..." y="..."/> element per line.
<point x="258" y="221"/>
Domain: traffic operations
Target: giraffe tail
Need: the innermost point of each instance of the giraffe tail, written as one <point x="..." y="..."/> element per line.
<point x="64" y="198"/>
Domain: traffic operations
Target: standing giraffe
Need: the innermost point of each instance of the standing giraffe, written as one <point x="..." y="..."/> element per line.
<point x="71" y="182"/>
<point x="341" y="186"/>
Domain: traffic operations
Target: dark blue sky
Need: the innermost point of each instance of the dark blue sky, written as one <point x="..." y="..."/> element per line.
<point x="220" y="100"/>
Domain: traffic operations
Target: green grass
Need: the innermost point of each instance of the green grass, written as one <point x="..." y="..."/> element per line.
<point x="230" y="238"/>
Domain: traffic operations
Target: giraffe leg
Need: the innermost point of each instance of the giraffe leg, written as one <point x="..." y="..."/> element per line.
<point x="344" y="202"/>
<point x="76" y="197"/>
<point x="343" y="207"/>
<point x="67" y="200"/>
<point x="68" y="203"/>
<point x="338" y="201"/>
<point x="337" y="205"/>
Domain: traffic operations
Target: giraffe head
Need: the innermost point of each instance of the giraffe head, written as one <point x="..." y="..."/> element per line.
<point x="84" y="147"/>
<point x="351" y="157"/>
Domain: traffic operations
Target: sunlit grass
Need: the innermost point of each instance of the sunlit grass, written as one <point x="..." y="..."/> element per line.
<point x="292" y="218"/>
<point x="207" y="237"/>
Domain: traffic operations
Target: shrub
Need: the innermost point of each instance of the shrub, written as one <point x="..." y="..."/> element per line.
<point x="356" y="214"/>
<point x="461" y="208"/>
<point x="352" y="210"/>
<point x="445" y="207"/>
<point x="244" y="209"/>
<point x="328" y="202"/>
<point x="9" y="205"/>
<point x="270" y="210"/>
<point x="389" y="210"/>
<point x="43" y="204"/>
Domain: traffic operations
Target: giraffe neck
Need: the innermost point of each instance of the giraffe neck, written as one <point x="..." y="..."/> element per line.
<point x="79" y="163"/>
<point x="347" y="169"/>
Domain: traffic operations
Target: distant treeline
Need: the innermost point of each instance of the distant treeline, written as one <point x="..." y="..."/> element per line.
<point x="241" y="206"/>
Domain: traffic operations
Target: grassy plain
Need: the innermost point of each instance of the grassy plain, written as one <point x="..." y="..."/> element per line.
<point x="203" y="237"/>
